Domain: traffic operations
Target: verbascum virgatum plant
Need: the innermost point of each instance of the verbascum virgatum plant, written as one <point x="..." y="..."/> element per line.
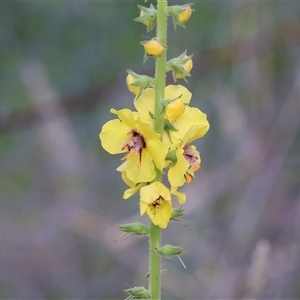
<point x="155" y="140"/>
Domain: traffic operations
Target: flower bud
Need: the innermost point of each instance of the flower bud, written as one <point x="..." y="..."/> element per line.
<point x="136" y="83"/>
<point x="186" y="14"/>
<point x="180" y="66"/>
<point x="180" y="14"/>
<point x="146" y="21"/>
<point x="177" y="213"/>
<point x="169" y="250"/>
<point x="187" y="67"/>
<point x="153" y="48"/>
<point x="147" y="16"/>
<point x="174" y="110"/>
<point x="176" y="216"/>
<point x="138" y="292"/>
<point x="133" y="89"/>
<point x="136" y="228"/>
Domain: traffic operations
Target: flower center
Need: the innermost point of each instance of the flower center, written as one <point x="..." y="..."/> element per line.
<point x="134" y="145"/>
<point x="192" y="156"/>
<point x="157" y="203"/>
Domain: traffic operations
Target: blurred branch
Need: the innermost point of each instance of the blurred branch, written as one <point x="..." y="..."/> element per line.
<point x="286" y="35"/>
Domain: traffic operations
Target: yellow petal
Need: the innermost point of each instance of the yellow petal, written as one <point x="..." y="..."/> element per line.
<point x="145" y="102"/>
<point x="180" y="196"/>
<point x="175" y="91"/>
<point x="153" y="191"/>
<point x="158" y="151"/>
<point x="143" y="173"/>
<point x="191" y="117"/>
<point x="130" y="192"/>
<point x="112" y="135"/>
<point x="127" y="181"/>
<point x="161" y="216"/>
<point x="127" y="116"/>
<point x="143" y="207"/>
<point x="176" y="172"/>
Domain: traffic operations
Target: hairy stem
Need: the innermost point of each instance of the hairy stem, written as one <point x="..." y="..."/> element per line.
<point x="160" y="78"/>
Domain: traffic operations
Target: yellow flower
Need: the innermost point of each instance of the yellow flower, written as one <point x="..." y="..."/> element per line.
<point x="174" y="109"/>
<point x="154" y="48"/>
<point x="187" y="67"/>
<point x="187" y="161"/>
<point x="132" y="88"/>
<point x="186" y="14"/>
<point x="143" y="148"/>
<point x="155" y="200"/>
<point x="145" y="103"/>
<point x="190" y="117"/>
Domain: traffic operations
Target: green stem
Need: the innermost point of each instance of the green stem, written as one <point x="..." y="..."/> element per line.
<point x="154" y="263"/>
<point x="160" y="67"/>
<point x="160" y="79"/>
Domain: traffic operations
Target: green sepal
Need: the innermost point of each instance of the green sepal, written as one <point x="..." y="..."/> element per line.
<point x="151" y="115"/>
<point x="171" y="156"/>
<point x="168" y="127"/>
<point x="138" y="292"/>
<point x="176" y="65"/>
<point x="177" y="213"/>
<point x="169" y="251"/>
<point x="145" y="58"/>
<point x="150" y="15"/>
<point x="135" y="228"/>
<point x="174" y="10"/>
<point x="176" y="216"/>
<point x="142" y="81"/>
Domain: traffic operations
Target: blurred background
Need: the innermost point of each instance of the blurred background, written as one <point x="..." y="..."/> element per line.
<point x="63" y="66"/>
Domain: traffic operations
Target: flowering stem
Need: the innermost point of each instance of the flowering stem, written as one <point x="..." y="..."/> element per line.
<point x="154" y="262"/>
<point x="160" y="67"/>
<point x="160" y="78"/>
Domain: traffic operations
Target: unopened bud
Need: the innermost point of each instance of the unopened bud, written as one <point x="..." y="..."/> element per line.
<point x="147" y="16"/>
<point x="153" y="47"/>
<point x="176" y="216"/>
<point x="136" y="228"/>
<point x="138" y="292"/>
<point x="133" y="89"/>
<point x="169" y="250"/>
<point x="177" y="213"/>
<point x="146" y="21"/>
<point x="174" y="110"/>
<point x="187" y="67"/>
<point x="186" y="14"/>
<point x="136" y="83"/>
